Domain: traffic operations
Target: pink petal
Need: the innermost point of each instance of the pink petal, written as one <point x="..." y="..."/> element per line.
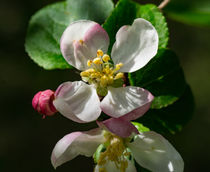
<point x="76" y="143"/>
<point x="122" y="100"/>
<point x="77" y="101"/>
<point x="119" y="127"/>
<point x="135" y="114"/>
<point x="80" y="42"/>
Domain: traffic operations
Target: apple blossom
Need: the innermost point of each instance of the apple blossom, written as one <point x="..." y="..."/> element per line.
<point x="84" y="45"/>
<point x="149" y="149"/>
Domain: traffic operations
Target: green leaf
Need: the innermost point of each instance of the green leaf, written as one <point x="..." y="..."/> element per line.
<point x="151" y="13"/>
<point x="140" y="127"/>
<point x="96" y="10"/>
<point x="47" y="25"/>
<point x="96" y="155"/>
<point x="172" y="118"/>
<point x="195" y="13"/>
<point x="126" y="11"/>
<point x="163" y="77"/>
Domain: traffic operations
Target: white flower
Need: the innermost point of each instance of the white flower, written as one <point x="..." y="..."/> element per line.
<point x="83" y="45"/>
<point x="149" y="149"/>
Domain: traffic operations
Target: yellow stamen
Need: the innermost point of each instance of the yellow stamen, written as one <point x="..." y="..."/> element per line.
<point x="118" y="66"/>
<point x="95" y="75"/>
<point x="81" y="41"/>
<point x="90" y="70"/>
<point x="110" y="80"/>
<point x="119" y="75"/>
<point x="84" y="74"/>
<point x="87" y="73"/>
<point x="106" y="58"/>
<point x="102" y="73"/>
<point x="115" y="152"/>
<point x="89" y="62"/>
<point x="97" y="60"/>
<point x="104" y="80"/>
<point x="107" y="70"/>
<point x="100" y="53"/>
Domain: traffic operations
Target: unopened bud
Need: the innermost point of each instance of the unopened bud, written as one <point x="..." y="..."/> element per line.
<point x="43" y="103"/>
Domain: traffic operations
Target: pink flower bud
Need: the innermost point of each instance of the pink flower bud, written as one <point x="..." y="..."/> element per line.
<point x="43" y="103"/>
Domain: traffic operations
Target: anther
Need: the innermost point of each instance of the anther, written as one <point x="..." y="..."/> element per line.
<point x="84" y="74"/>
<point x="89" y="62"/>
<point x="106" y="58"/>
<point x="104" y="80"/>
<point x="100" y="53"/>
<point x="110" y="81"/>
<point x="118" y="66"/>
<point x="81" y="41"/>
<point x="119" y="75"/>
<point x="97" y="60"/>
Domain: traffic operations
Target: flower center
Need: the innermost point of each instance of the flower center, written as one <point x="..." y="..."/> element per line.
<point x="115" y="152"/>
<point x="102" y="73"/>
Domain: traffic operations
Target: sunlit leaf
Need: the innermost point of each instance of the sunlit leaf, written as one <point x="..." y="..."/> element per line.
<point x="140" y="127"/>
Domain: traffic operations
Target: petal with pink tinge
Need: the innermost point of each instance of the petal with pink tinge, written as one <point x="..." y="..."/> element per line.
<point x="122" y="100"/>
<point x="135" y="114"/>
<point x="77" y="101"/>
<point x="80" y="42"/>
<point x="76" y="143"/>
<point x="119" y="127"/>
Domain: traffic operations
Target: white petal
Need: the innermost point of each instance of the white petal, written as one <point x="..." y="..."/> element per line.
<point x="76" y="143"/>
<point x="120" y="101"/>
<point x="154" y="152"/>
<point x="80" y="42"/>
<point x="77" y="101"/>
<point x="111" y="167"/>
<point x="135" y="45"/>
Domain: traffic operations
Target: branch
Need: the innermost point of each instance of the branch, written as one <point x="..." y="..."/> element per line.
<point x="163" y="4"/>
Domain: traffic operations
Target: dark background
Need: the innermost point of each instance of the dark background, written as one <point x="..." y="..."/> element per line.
<point x="26" y="140"/>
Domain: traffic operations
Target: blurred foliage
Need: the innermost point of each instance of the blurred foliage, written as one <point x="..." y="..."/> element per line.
<point x="196" y="13"/>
